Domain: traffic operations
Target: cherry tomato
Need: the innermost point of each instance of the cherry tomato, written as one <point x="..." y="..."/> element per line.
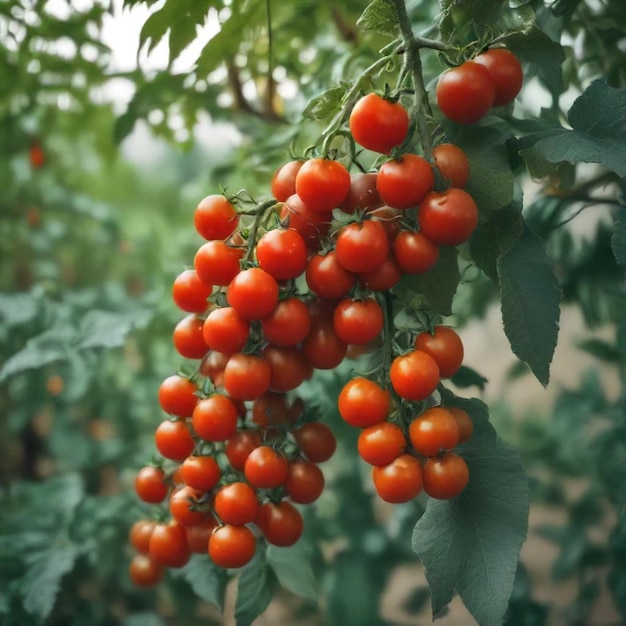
<point x="182" y="506"/>
<point x="327" y="278"/>
<point x="139" y="535"/>
<point x="433" y="432"/>
<point x="284" y="180"/>
<point x="466" y="93"/>
<point x="316" y="440"/>
<point x="168" y="545"/>
<point x="150" y="485"/>
<point x="253" y="293"/>
<point x="507" y="73"/>
<point x="270" y="409"/>
<point x="281" y="524"/>
<point x="217" y="263"/>
<point x="363" y="402"/>
<point x="212" y="366"/>
<point x="282" y="253"/>
<point x="362" y="194"/>
<point x="322" y="348"/>
<point x="177" y="395"/>
<point x="173" y="440"/>
<point x="312" y="225"/>
<point x="452" y="163"/>
<point x="215" y="418"/>
<point x="247" y="376"/>
<point x="414" y="252"/>
<point x="446" y="476"/>
<point x="305" y="482"/>
<point x="378" y="124"/>
<point x="399" y="481"/>
<point x="231" y="546"/>
<point x="414" y="376"/>
<point x="362" y="247"/>
<point x="385" y="277"/>
<point x="288" y="367"/>
<point x="188" y="339"/>
<point x="225" y="330"/>
<point x="200" y="472"/>
<point x="448" y="218"/>
<point x="381" y="443"/>
<point x="215" y="217"/>
<point x="445" y="346"/>
<point x="323" y="184"/>
<point x="198" y="535"/>
<point x="463" y="421"/>
<point x="144" y="571"/>
<point x="236" y="504"/>
<point x="288" y="324"/>
<point x="358" y="322"/>
<point x="239" y="447"/>
<point x="403" y="182"/>
<point x="266" y="468"/>
<point x="190" y="293"/>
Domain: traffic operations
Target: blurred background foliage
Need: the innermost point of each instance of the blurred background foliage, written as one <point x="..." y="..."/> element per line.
<point x="96" y="221"/>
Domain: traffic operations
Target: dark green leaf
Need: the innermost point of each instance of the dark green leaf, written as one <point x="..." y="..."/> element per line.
<point x="600" y="349"/>
<point x="292" y="567"/>
<point x="206" y="579"/>
<point x="530" y="294"/>
<point x="471" y="544"/>
<point x="469" y="377"/>
<point x="327" y="103"/>
<point x="106" y="329"/>
<point x="255" y="589"/>
<point x="379" y="16"/>
<point x="124" y="125"/>
<point x="618" y="239"/>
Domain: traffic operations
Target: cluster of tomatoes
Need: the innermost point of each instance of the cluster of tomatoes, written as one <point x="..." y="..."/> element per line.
<point x="282" y="288"/>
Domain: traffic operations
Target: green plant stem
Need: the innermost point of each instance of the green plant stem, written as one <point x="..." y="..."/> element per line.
<point x="413" y="61"/>
<point x="261" y="213"/>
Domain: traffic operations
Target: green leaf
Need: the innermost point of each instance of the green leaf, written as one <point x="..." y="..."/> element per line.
<point x="292" y="567"/>
<point x="108" y="329"/>
<point x="379" y="16"/>
<point x="42" y="581"/>
<point x="255" y="589"/>
<point x="145" y="618"/>
<point x="572" y="542"/>
<point x="470" y="544"/>
<point x="206" y="579"/>
<point x="469" y="377"/>
<point x="618" y="238"/>
<point x="529" y="295"/>
<point x="17" y="308"/>
<point x="326" y="104"/>
<point x="601" y="349"/>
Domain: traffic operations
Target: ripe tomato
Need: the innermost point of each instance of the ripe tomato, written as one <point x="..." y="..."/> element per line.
<point x="247" y="376"/>
<point x="363" y="402"/>
<point x="231" y="546"/>
<point x="173" y="440"/>
<point x="322" y="348"/>
<point x="182" y="506"/>
<point x="466" y="93"/>
<point x="236" y="504"/>
<point x="200" y="472"/>
<point x="177" y="395"/>
<point x="362" y="194"/>
<point x="281" y="524"/>
<point x="415" y="375"/>
<point x="323" y="184"/>
<point x="414" y="252"/>
<point x="150" y="485"/>
<point x="239" y="446"/>
<point x="253" y="293"/>
<point x="36" y="155"/>
<point x="434" y="431"/>
<point x="266" y="468"/>
<point x="463" y="421"/>
<point x="198" y="535"/>
<point x="357" y="322"/>
<point x="446" y="476"/>
<point x="288" y="367"/>
<point x="225" y="331"/>
<point x="284" y="180"/>
<point x="378" y="124"/>
<point x="282" y="253"/>
<point x="381" y="443"/>
<point x="448" y="218"/>
<point x="305" y="482"/>
<point x="309" y="223"/>
<point x="217" y="263"/>
<point x="362" y="247"/>
<point x="288" y="324"/>
<point x="188" y="339"/>
<point x="399" y="481"/>
<point x="215" y="418"/>
<point x="215" y="217"/>
<point x="445" y="346"/>
<point x="144" y="571"/>
<point x="452" y="163"/>
<point x="270" y="409"/>
<point x="139" y="536"/>
<point x="190" y="293"/>
<point x="383" y="278"/>
<point x="212" y="366"/>
<point x="316" y="440"/>
<point x="168" y="545"/>
<point x="507" y="73"/>
<point x="403" y="182"/>
<point x="327" y="278"/>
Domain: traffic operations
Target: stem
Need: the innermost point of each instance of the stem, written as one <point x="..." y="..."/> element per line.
<point x="414" y="64"/>
<point x="258" y="220"/>
<point x="387" y="333"/>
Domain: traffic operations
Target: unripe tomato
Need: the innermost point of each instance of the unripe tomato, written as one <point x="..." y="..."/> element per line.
<point x="507" y="73"/>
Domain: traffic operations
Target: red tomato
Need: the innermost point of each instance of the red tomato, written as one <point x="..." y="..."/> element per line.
<point x="215" y="217"/>
<point x="173" y="440"/>
<point x="212" y="366"/>
<point x="322" y="348"/>
<point x="139" y="535"/>
<point x="246" y="376"/>
<point x="357" y="322"/>
<point x="288" y="324"/>
<point x="284" y="180"/>
<point x="309" y="223"/>
<point x="270" y="409"/>
<point x="414" y="252"/>
<point x="362" y="247"/>
<point x="363" y="402"/>
<point x="378" y="124"/>
<point x="463" y="421"/>
<point x="198" y="535"/>
<point x="231" y="546"/>
<point x="466" y="93"/>
<point x="403" y="182"/>
<point x="182" y="507"/>
<point x="446" y="476"/>
<point x="327" y="278"/>
<point x="316" y="440"/>
<point x="507" y="73"/>
<point x="168" y="545"/>
<point x="239" y="446"/>
<point x="190" y="293"/>
<point x="305" y="482"/>
<point x="433" y="432"/>
<point x="200" y="472"/>
<point x="414" y="376"/>
<point x="266" y="468"/>
<point x="188" y="339"/>
<point x="177" y="396"/>
<point x="144" y="571"/>
<point x="215" y="418"/>
<point x="253" y="293"/>
<point x="383" y="278"/>
<point x="236" y="504"/>
<point x="399" y="481"/>
<point x="288" y="367"/>
<point x="452" y="163"/>
<point x="362" y="194"/>
<point x="323" y="184"/>
<point x="445" y="346"/>
<point x="150" y="485"/>
<point x="281" y="524"/>
<point x="217" y="263"/>
<point x="282" y="253"/>
<point x="225" y="330"/>
<point x="381" y="443"/>
<point x="448" y="218"/>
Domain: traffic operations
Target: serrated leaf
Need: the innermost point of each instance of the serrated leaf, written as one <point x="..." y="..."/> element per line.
<point x="529" y="295"/>
<point x="379" y="16"/>
<point x="109" y="329"/>
<point x="326" y="104"/>
<point x="206" y="579"/>
<point x="255" y="589"/>
<point x="292" y="567"/>
<point x="470" y="544"/>
<point x="41" y="583"/>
